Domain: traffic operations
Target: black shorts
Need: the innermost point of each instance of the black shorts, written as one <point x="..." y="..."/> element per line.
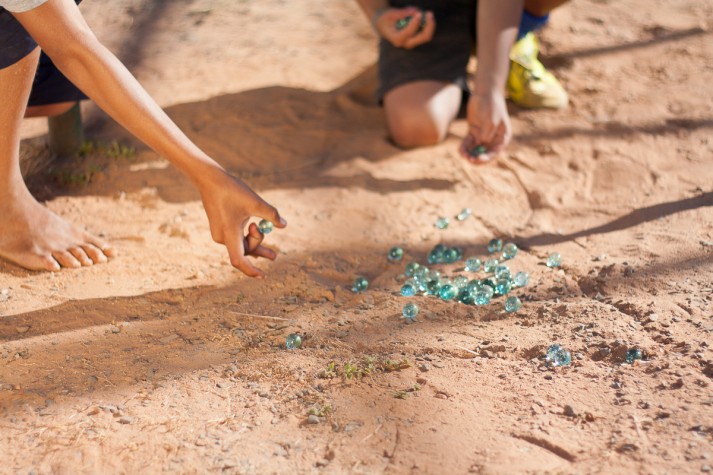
<point x="444" y="58"/>
<point x="50" y="86"/>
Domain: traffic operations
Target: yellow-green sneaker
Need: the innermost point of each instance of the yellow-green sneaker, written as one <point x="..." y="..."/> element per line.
<point x="529" y="83"/>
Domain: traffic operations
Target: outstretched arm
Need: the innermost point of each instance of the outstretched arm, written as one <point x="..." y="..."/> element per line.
<point x="488" y="120"/>
<point x="60" y="30"/>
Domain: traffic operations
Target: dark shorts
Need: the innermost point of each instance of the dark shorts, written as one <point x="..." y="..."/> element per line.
<point x="445" y="58"/>
<point x="50" y="86"/>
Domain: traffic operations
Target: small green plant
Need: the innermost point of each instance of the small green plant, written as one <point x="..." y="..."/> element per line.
<point x="110" y="150"/>
<point x="369" y="364"/>
<point x="392" y="365"/>
<point x="351" y="370"/>
<point x="404" y="393"/>
<point x="320" y="411"/>
<point x="330" y="372"/>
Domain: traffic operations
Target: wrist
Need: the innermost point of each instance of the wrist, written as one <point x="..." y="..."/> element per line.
<point x="488" y="89"/>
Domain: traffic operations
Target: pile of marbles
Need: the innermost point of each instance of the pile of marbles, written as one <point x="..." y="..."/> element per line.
<point x="467" y="287"/>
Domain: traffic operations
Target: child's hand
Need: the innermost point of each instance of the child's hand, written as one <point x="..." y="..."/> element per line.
<point x="419" y="29"/>
<point x="229" y="204"/>
<point x="488" y="126"/>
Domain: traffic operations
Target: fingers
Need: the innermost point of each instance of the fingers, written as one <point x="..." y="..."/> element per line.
<point x="236" y="251"/>
<point x="269" y="212"/>
<point x="425" y="34"/>
<point x="253" y="243"/>
<point x="266" y="252"/>
<point x="253" y="239"/>
<point x="419" y="29"/>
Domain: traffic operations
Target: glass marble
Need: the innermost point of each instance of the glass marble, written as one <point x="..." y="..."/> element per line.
<point x="448" y="292"/>
<point x="558" y="356"/>
<point x="464" y="214"/>
<point x="473" y="264"/>
<point x="360" y="284"/>
<point x="474" y="285"/>
<point x="551" y="350"/>
<point x="562" y="358"/>
<point x="436" y="256"/>
<point x="433" y="274"/>
<point x="411" y="269"/>
<point x="521" y="279"/>
<point x="490" y="265"/>
<point x="433" y="286"/>
<point x="489" y="290"/>
<point x="512" y="304"/>
<point x="442" y="222"/>
<point x="395" y="254"/>
<point x="410" y="311"/>
<point x="554" y="260"/>
<point x="402" y="23"/>
<point x="451" y="255"/>
<point x="293" y="341"/>
<point x="502" y="271"/>
<point x="408" y="290"/>
<point x="634" y="354"/>
<point x="420" y="271"/>
<point x="478" y="150"/>
<point x="481" y="297"/>
<point x="495" y="245"/>
<point x="264" y="226"/>
<point x="509" y="250"/>
<point x="460" y="282"/>
<point x="503" y="286"/>
<point x="466" y="296"/>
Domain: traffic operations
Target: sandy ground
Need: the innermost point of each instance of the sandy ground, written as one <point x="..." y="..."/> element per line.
<point x="167" y="360"/>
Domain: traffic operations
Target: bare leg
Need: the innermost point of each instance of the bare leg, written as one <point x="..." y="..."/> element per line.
<point x="419" y="113"/>
<point x="30" y="234"/>
<point x="49" y="110"/>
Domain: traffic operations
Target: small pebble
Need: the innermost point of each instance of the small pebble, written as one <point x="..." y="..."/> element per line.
<point x="312" y="419"/>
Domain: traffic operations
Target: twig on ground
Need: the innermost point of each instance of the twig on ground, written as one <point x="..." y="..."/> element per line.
<point x="375" y="431"/>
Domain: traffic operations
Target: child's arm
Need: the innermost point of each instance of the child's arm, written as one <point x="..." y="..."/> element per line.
<point x="60" y="30"/>
<point x="488" y="119"/>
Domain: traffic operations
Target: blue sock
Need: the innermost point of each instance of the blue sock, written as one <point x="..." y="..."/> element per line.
<point x="530" y="22"/>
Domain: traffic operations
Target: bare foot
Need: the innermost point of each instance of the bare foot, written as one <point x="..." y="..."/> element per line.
<point x="35" y="238"/>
